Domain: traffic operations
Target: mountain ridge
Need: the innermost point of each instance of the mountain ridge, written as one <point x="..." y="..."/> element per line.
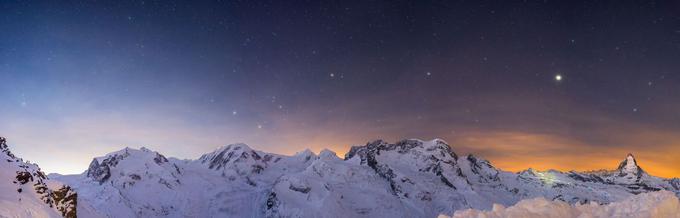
<point x="408" y="178"/>
<point x="423" y="178"/>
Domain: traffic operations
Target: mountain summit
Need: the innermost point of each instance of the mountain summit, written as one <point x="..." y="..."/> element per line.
<point x="629" y="167"/>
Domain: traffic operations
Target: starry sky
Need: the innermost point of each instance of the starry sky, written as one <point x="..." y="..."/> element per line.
<point x="543" y="84"/>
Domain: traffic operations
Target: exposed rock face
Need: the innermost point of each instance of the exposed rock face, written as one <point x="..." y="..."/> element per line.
<point x="98" y="172"/>
<point x="483" y="168"/>
<point x="66" y="201"/>
<point x="30" y="180"/>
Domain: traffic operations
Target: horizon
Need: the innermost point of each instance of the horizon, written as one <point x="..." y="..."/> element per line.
<point x="543" y="84"/>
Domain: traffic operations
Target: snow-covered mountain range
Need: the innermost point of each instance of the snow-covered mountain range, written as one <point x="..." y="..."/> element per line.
<point x="410" y="178"/>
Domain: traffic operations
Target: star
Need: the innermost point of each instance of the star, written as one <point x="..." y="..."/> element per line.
<point x="233" y="113"/>
<point x="332" y="75"/>
<point x="558" y="77"/>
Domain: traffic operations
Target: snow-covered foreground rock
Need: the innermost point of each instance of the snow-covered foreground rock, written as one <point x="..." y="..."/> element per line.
<point x="661" y="204"/>
<point x="27" y="192"/>
<point x="410" y="178"/>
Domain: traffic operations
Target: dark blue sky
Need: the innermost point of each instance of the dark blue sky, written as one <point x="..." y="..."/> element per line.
<point x="81" y="79"/>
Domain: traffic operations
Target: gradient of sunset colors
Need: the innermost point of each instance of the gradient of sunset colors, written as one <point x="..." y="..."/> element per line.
<point x="567" y="85"/>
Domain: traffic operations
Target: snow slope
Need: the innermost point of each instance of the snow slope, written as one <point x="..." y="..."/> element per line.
<point x="27" y="192"/>
<point x="662" y="204"/>
<point x="410" y="178"/>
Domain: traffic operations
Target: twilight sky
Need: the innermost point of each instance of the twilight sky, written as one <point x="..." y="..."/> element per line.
<point x="82" y="79"/>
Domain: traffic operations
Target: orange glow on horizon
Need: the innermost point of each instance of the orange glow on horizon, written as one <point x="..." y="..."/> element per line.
<point x="514" y="151"/>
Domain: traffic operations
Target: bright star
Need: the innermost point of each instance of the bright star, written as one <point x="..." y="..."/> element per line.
<point x="558" y="77"/>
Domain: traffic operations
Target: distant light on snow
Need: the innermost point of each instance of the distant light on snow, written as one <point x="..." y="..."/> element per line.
<point x="547" y="177"/>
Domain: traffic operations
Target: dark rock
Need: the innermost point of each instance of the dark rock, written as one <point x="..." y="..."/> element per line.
<point x="99" y="172"/>
<point x="302" y="189"/>
<point x="24" y="177"/>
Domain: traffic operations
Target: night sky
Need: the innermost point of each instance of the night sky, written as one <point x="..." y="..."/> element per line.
<point x="543" y="84"/>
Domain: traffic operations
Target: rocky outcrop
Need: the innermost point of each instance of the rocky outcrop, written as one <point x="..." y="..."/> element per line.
<point x="98" y="172"/>
<point x="29" y="178"/>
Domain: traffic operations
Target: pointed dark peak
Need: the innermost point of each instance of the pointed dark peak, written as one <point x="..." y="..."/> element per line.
<point x="629" y="166"/>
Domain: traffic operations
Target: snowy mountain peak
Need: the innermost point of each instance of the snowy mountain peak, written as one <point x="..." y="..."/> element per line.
<point x="235" y="147"/>
<point x="436" y="147"/>
<point x="305" y="153"/>
<point x="328" y="154"/>
<point x="100" y="168"/>
<point x="483" y="169"/>
<point x="238" y="158"/>
<point x="629" y="167"/>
